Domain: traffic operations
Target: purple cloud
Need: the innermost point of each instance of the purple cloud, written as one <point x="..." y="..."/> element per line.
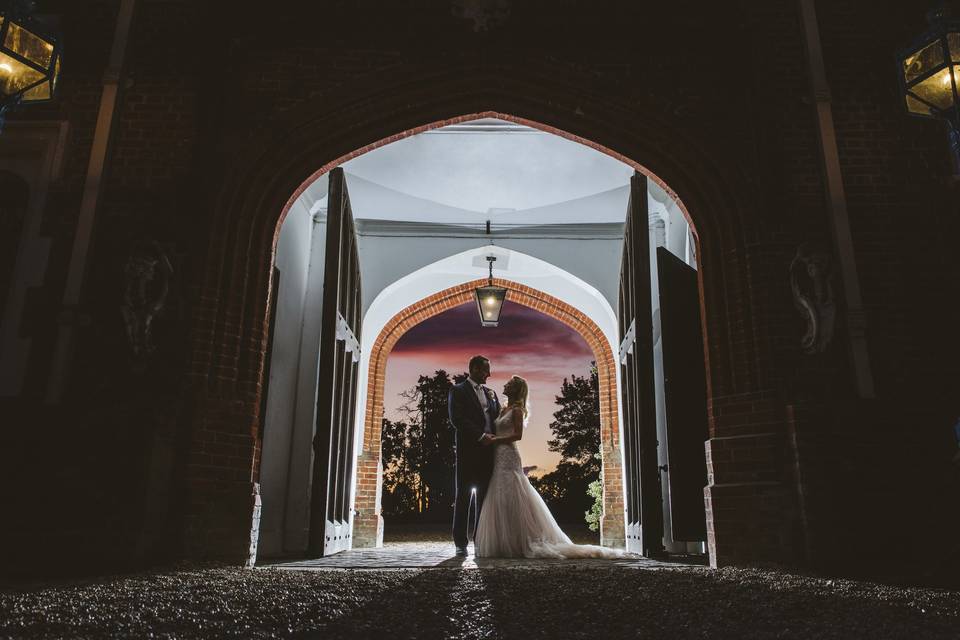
<point x="527" y="343"/>
<point x="521" y="330"/>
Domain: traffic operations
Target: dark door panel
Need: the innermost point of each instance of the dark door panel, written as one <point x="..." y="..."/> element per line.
<point x="685" y="395"/>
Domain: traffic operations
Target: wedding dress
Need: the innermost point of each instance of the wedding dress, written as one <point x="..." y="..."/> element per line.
<point x="514" y="521"/>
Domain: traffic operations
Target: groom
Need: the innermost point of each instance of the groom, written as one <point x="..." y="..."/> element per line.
<point x="472" y="408"/>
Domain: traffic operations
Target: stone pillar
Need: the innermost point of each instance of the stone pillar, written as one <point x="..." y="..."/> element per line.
<point x="747" y="503"/>
<point x="254" y="525"/>
<point x="612" y="526"/>
<point x="367" y="521"/>
<point x="222" y="521"/>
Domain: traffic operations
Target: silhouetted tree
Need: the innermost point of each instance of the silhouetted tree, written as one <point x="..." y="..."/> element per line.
<point x="431" y="444"/>
<point x="576" y="431"/>
<point x="401" y="483"/>
<point x="418" y="452"/>
<point x="576" y="424"/>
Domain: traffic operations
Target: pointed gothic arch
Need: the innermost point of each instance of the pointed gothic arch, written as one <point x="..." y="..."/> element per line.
<point x="270" y="166"/>
<point x="368" y="524"/>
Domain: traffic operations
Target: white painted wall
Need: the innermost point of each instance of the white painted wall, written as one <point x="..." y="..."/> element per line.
<point x="589" y="252"/>
<point x="291" y="391"/>
<point x="386" y="260"/>
<point x="396" y="270"/>
<point x="292" y="261"/>
<point x="580" y="265"/>
<point x="464" y="266"/>
<point x="297" y="517"/>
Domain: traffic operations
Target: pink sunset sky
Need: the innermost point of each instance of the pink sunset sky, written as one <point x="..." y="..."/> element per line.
<point x="527" y="343"/>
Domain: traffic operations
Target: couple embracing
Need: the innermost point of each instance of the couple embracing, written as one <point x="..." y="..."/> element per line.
<point x="514" y="521"/>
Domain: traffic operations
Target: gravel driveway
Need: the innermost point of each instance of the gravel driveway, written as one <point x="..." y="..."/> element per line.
<point x="552" y="601"/>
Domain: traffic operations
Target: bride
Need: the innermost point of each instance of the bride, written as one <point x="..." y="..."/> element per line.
<point x="514" y="521"/>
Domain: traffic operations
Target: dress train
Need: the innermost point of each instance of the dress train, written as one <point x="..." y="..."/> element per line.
<point x="515" y="522"/>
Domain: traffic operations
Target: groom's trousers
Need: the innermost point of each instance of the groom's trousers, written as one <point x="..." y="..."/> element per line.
<point x="473" y="475"/>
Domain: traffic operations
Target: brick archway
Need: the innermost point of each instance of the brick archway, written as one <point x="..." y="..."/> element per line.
<point x="368" y="523"/>
<point x="268" y="163"/>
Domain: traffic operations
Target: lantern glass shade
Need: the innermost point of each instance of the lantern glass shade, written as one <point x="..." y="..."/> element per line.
<point x="29" y="45"/>
<point x="37" y="93"/>
<point x="928" y="58"/>
<point x="937" y="90"/>
<point x="489" y="304"/>
<point x="917" y="107"/>
<point x="29" y="61"/>
<point x="15" y="76"/>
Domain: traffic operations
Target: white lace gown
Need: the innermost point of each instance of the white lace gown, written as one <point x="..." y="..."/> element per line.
<point x="515" y="522"/>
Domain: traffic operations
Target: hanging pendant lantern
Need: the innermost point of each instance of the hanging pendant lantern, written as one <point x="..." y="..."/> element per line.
<point x="490" y="299"/>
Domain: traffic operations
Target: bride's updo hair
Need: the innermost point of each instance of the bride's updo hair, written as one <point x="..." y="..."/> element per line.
<point x="518" y="397"/>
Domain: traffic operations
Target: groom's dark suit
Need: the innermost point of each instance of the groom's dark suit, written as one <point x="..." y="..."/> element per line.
<point x="474" y="460"/>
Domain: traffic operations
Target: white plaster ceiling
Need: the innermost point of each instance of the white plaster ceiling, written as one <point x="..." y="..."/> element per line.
<point x="487" y="170"/>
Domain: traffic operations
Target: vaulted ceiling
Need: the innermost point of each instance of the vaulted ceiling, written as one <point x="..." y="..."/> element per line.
<point x="488" y="170"/>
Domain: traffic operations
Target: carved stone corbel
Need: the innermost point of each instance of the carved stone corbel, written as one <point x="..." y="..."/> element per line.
<point x="147" y="274"/>
<point x="811" y="281"/>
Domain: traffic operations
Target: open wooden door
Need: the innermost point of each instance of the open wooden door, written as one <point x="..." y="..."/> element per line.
<point x="685" y="395"/>
<point x="643" y="503"/>
<point x="333" y="442"/>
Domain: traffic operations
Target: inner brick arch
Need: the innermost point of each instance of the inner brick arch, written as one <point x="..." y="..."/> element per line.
<point x="368" y="523"/>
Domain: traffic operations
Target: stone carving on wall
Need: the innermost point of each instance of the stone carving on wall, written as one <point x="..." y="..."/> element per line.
<point x="146" y="284"/>
<point x="811" y="281"/>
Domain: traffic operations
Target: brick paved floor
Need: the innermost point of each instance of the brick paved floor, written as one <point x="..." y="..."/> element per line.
<point x="426" y="555"/>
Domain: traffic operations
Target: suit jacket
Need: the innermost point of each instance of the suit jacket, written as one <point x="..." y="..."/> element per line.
<point x="466" y="417"/>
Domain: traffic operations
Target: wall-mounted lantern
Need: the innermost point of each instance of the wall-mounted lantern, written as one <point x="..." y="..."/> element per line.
<point x="929" y="71"/>
<point x="490" y="299"/>
<point x="29" y="58"/>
